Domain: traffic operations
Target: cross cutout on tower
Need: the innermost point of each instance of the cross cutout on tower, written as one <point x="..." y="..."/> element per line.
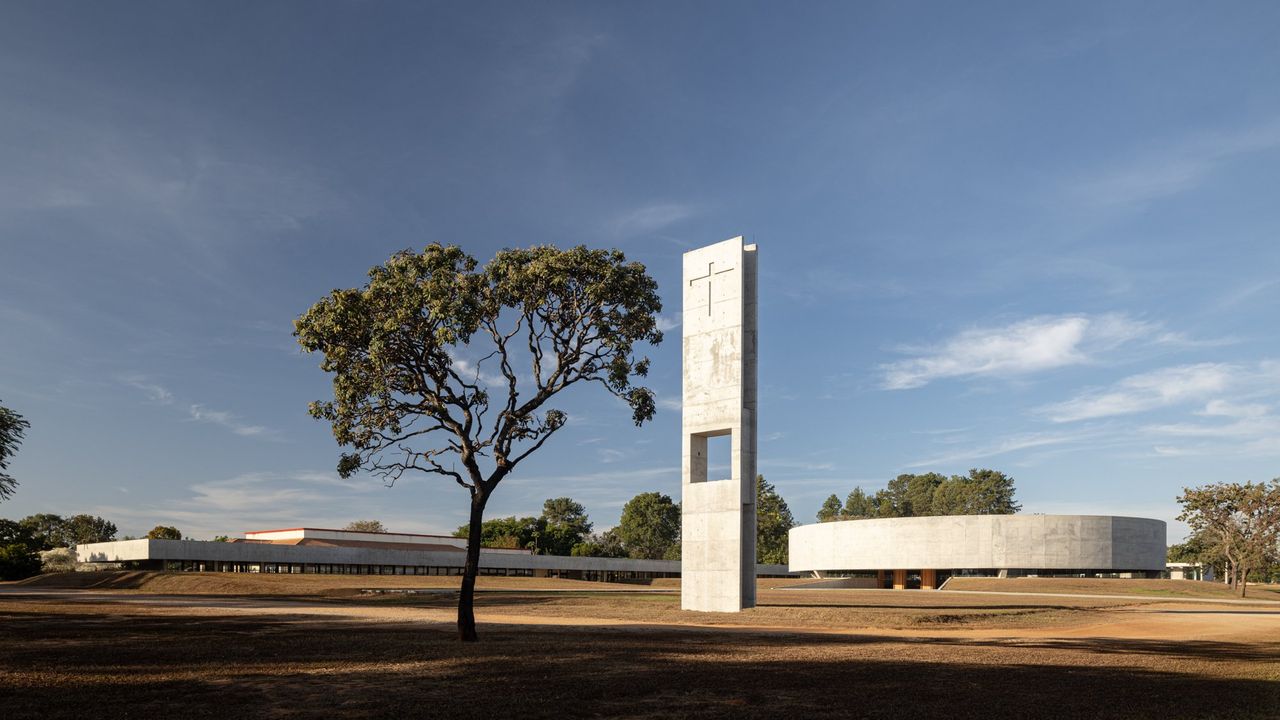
<point x="711" y="273"/>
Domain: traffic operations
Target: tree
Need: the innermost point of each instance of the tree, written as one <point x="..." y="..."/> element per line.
<point x="605" y="544"/>
<point x="14" y="532"/>
<point x="773" y="520"/>
<point x="429" y="346"/>
<point x="565" y="525"/>
<point x="46" y="529"/>
<point x="370" y="526"/>
<point x="991" y="493"/>
<point x="508" y="532"/>
<point x="981" y="492"/>
<point x="858" y="505"/>
<point x="830" y="509"/>
<point x="18" y="561"/>
<point x="164" y="532"/>
<point x="1240" y="521"/>
<point x="12" y="429"/>
<point x="83" y="529"/>
<point x="650" y="525"/>
<point x="1201" y="549"/>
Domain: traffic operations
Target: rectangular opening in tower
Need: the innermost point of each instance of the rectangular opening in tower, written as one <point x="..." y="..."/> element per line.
<point x="711" y="456"/>
<point x="719" y="457"/>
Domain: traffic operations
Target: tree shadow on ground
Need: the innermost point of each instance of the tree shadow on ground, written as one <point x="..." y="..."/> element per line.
<point x="73" y="666"/>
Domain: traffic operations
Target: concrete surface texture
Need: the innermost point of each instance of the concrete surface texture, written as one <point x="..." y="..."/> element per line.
<point x="1047" y="542"/>
<point x="719" y="519"/>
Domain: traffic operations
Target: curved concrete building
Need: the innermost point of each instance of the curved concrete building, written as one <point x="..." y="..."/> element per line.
<point x="932" y="548"/>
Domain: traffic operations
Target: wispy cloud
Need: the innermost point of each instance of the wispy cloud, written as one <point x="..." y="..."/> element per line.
<point x="1014" y="443"/>
<point x="648" y="219"/>
<point x="670" y="403"/>
<point x="670" y="322"/>
<point x="200" y="413"/>
<point x="154" y="392"/>
<point x="196" y="412"/>
<point x="1146" y="391"/>
<point x="1027" y="346"/>
<point x="1175" y="167"/>
<point x="261" y="500"/>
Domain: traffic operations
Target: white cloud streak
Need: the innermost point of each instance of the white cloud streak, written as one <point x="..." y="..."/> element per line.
<point x="154" y="392"/>
<point x="1028" y="346"/>
<point x="651" y="218"/>
<point x="200" y="413"/>
<point x="1146" y="391"/>
<point x="1176" y="167"/>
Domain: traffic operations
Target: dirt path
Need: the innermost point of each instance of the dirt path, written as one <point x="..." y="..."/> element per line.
<point x="1149" y="619"/>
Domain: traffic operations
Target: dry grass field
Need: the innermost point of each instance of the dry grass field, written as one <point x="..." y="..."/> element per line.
<point x="312" y="647"/>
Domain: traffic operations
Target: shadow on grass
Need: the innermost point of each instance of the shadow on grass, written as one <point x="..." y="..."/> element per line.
<point x="72" y="666"/>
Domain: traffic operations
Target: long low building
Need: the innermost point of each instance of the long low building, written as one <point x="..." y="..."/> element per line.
<point x="322" y="551"/>
<point x="924" y="551"/>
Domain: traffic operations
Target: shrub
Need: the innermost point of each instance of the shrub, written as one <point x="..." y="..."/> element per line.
<point x="18" y="561"/>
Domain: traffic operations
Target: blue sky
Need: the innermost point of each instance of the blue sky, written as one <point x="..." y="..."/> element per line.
<point x="1039" y="239"/>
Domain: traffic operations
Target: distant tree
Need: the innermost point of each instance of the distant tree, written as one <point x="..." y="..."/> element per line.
<point x="909" y="495"/>
<point x="221" y="538"/>
<point x="408" y="351"/>
<point x="650" y="525"/>
<point x="1201" y="549"/>
<point x="981" y="492"/>
<point x="164" y="532"/>
<point x="47" y="530"/>
<point x="370" y="526"/>
<point x="83" y="529"/>
<point x="605" y="544"/>
<point x="830" y="509"/>
<point x="991" y="494"/>
<point x="507" y="532"/>
<point x="564" y="526"/>
<point x="858" y="505"/>
<point x="18" y="561"/>
<point x="12" y="429"/>
<point x="1241" y="521"/>
<point x="773" y="520"/>
<point x="12" y="532"/>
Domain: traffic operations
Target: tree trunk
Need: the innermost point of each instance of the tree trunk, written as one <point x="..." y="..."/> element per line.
<point x="466" y="597"/>
<point x="1244" y="580"/>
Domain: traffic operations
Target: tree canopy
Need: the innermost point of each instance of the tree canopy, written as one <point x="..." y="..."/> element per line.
<point x="12" y="429"/>
<point x="82" y="529"/>
<point x="425" y="360"/>
<point x="773" y="520"/>
<point x="1239" y="522"/>
<point x="49" y="531"/>
<point x="981" y="492"/>
<point x="650" y="526"/>
<point x="370" y="526"/>
<point x="164" y="532"/>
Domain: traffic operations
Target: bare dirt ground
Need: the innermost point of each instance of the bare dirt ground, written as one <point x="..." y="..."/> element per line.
<point x="845" y="653"/>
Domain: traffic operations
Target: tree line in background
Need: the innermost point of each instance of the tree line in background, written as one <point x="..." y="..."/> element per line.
<point x="1235" y="529"/>
<point x="649" y="529"/>
<point x="981" y="492"/>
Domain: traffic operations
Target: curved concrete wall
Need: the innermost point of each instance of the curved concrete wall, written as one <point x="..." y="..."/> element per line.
<point x="1049" y="542"/>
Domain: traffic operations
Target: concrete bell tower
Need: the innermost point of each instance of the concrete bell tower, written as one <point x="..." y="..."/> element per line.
<point x="718" y="532"/>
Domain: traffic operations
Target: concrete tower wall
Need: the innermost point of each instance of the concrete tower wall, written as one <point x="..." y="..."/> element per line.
<point x="1047" y="542"/>
<point x="719" y="399"/>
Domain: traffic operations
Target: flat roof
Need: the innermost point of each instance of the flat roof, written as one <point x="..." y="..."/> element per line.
<point x="365" y="532"/>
